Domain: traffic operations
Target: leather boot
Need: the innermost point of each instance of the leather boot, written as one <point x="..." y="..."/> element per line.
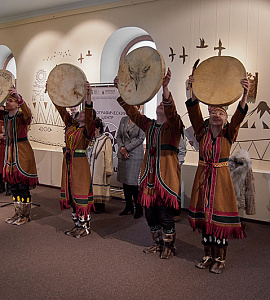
<point x="129" y="208"/>
<point x="17" y="210"/>
<point x="158" y="242"/>
<point x="84" y="227"/>
<point x="207" y="259"/>
<point x="24" y="216"/>
<point x="169" y="248"/>
<point x="219" y="259"/>
<point x="76" y="224"/>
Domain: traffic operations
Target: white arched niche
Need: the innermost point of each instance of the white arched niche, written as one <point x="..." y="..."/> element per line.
<point x="119" y="44"/>
<point x="7" y="60"/>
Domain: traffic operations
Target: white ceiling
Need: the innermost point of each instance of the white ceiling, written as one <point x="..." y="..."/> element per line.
<point x="13" y="10"/>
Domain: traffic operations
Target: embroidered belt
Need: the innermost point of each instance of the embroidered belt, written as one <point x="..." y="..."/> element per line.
<point x="79" y="150"/>
<point x="212" y="164"/>
<point x="76" y="152"/>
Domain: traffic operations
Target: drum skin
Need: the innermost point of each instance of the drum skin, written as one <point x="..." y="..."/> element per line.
<point x="140" y="75"/>
<point x="66" y="85"/>
<point x="7" y="80"/>
<point x="217" y="80"/>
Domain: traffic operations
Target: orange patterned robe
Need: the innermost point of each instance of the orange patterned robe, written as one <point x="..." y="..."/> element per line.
<point x="76" y="189"/>
<point x="19" y="164"/>
<point x="160" y="179"/>
<point x="213" y="205"/>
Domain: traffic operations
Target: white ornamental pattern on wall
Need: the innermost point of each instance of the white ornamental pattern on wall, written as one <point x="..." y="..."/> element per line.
<point x="47" y="125"/>
<point x="44" y="111"/>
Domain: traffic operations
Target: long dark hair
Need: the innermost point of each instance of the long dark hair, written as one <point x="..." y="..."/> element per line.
<point x="99" y="124"/>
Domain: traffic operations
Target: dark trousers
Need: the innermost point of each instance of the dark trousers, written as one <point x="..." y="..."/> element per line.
<point x="2" y="184"/>
<point x="159" y="217"/>
<point x="129" y="192"/>
<point x="21" y="190"/>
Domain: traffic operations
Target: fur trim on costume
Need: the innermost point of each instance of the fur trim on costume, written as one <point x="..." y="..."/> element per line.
<point x="18" y="177"/>
<point x="80" y="210"/>
<point x="64" y="204"/>
<point x="218" y="231"/>
<point x="156" y="195"/>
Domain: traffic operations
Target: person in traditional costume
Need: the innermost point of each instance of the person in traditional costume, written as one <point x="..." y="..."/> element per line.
<point x="100" y="158"/>
<point x="160" y="173"/>
<point x="2" y="148"/>
<point x="130" y="157"/>
<point x="76" y="189"/>
<point x="19" y="164"/>
<point x="213" y="207"/>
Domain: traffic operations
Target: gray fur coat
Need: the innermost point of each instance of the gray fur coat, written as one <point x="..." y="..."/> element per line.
<point x="240" y="166"/>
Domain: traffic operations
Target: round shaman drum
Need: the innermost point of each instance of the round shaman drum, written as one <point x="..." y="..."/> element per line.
<point x="66" y="85"/>
<point x="7" y="80"/>
<point x="140" y="75"/>
<point x="217" y="80"/>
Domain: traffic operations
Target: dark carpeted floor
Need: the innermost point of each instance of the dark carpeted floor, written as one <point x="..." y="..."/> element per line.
<point x="37" y="261"/>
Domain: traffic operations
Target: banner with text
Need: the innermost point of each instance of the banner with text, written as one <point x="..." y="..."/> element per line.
<point x="108" y="109"/>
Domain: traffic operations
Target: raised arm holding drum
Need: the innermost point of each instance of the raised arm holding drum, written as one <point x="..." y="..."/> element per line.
<point x="213" y="207"/>
<point x="19" y="165"/>
<point x="160" y="173"/>
<point x="67" y="91"/>
<point x="76" y="191"/>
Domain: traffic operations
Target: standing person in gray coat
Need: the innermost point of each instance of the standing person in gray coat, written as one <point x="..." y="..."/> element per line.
<point x="130" y="156"/>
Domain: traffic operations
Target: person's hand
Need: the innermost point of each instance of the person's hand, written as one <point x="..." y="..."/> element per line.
<point x="115" y="82"/>
<point x="2" y="135"/>
<point x="190" y="79"/>
<point x="123" y="151"/>
<point x="2" y="108"/>
<point x="88" y="87"/>
<point x="167" y="78"/>
<point x="246" y="85"/>
<point x="13" y="92"/>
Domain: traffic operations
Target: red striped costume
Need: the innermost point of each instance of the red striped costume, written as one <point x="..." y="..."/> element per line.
<point x="213" y="205"/>
<point x="76" y="189"/>
<point x="19" y="164"/>
<point x="2" y="141"/>
<point x="160" y="173"/>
